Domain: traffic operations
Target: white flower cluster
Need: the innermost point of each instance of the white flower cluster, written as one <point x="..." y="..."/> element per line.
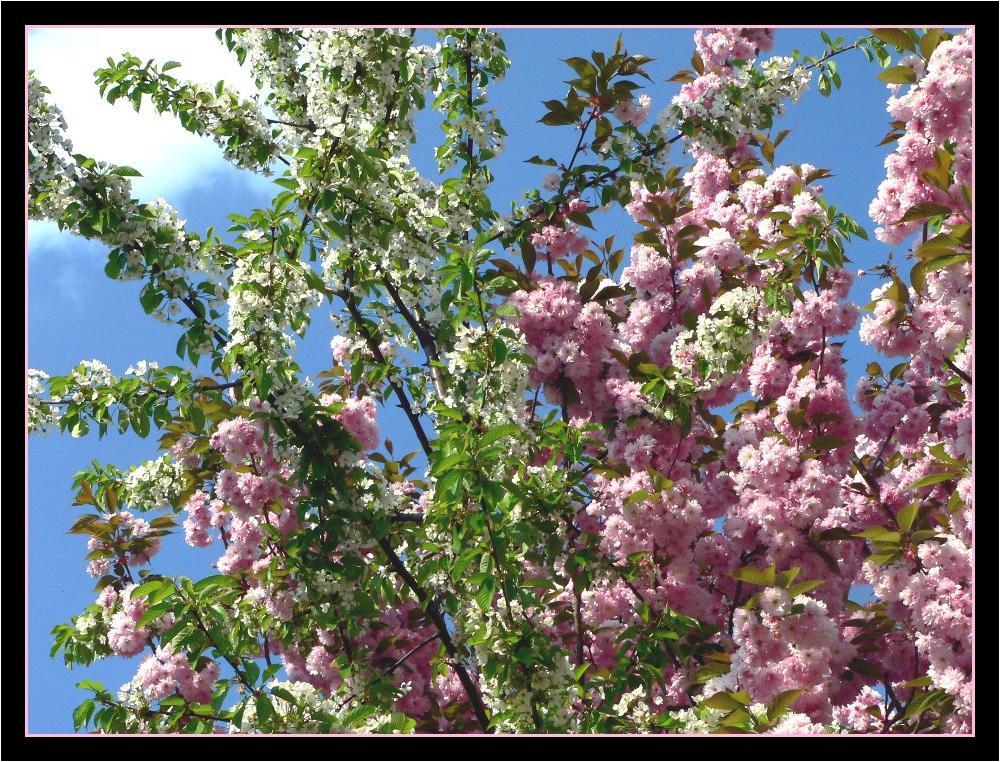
<point x="634" y="707"/>
<point x="700" y="720"/>
<point x="486" y="132"/>
<point x="50" y="162"/>
<point x="54" y="177"/>
<point x="87" y="377"/>
<point x="179" y="256"/>
<point x="502" y="390"/>
<point x="141" y="368"/>
<point x="92" y="625"/>
<point x="374" y="494"/>
<point x="632" y="144"/>
<point x="553" y="692"/>
<point x="273" y="57"/>
<point x="153" y="483"/>
<point x="413" y="270"/>
<point x="290" y="398"/>
<point x="237" y="126"/>
<point x="487" y="46"/>
<point x="736" y="104"/>
<point x="131" y="694"/>
<point x="407" y="256"/>
<point x="268" y="296"/>
<point x="724" y="337"/>
<point x="42" y="416"/>
<point x="354" y="79"/>
<point x="57" y="181"/>
<point x="304" y="716"/>
<point x="466" y="339"/>
<point x="335" y="587"/>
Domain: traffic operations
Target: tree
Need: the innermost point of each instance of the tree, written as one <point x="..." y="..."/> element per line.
<point x="584" y="540"/>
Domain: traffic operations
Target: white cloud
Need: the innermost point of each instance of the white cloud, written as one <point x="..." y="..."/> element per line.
<point x="170" y="158"/>
<point x="43" y="235"/>
<point x="61" y="264"/>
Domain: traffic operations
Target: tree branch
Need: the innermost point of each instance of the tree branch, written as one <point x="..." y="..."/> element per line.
<point x="430" y="606"/>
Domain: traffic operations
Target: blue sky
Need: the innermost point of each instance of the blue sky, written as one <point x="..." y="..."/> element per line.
<point x="76" y="313"/>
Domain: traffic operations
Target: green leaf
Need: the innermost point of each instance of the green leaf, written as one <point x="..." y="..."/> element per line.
<point x="906" y="516"/>
<point x="539" y="160"/>
<point x="940" y="263"/>
<point x="497" y="433"/>
<point x="150" y="298"/>
<point x="484" y="596"/>
<point x="154" y="612"/>
<point x="265" y="709"/>
<point x="898" y="75"/>
<point x="924" y="211"/>
<point x="447" y="462"/>
<point x="724" y="700"/>
<point x="637" y="497"/>
<point x="284" y="693"/>
<point x="827" y="442"/>
<point x="162" y="593"/>
<point x="895" y="37"/>
<point x="930" y="41"/>
<point x="865" y="668"/>
<point x="584" y="68"/>
<point x="785" y="578"/>
<point x="884" y="558"/>
<point x="754" y="576"/>
<point x="528" y="255"/>
<point x="83" y="524"/>
<point x="146" y="587"/>
<point x="922" y="703"/>
<point x="499" y="349"/>
<point x="804" y="587"/>
<point x="930" y="479"/>
<point x="81" y="715"/>
<point x="781" y="702"/>
<point x="216" y="580"/>
<point x="879" y="534"/>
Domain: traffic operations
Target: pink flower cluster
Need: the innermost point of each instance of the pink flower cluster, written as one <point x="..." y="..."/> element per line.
<point x="341" y="347"/>
<point x="555" y="242"/>
<point x="929" y="590"/>
<point x="125" y="637"/>
<point x="936" y="109"/>
<point x="566" y="339"/>
<point x="937" y="604"/>
<point x="203" y="513"/>
<point x="719" y="47"/>
<point x="244" y="499"/>
<point x="359" y="416"/>
<point x="781" y="480"/>
<point x="634" y="113"/>
<point x="779" y="650"/>
<point x="398" y="632"/>
<point x="238" y="439"/>
<point x="164" y="673"/>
